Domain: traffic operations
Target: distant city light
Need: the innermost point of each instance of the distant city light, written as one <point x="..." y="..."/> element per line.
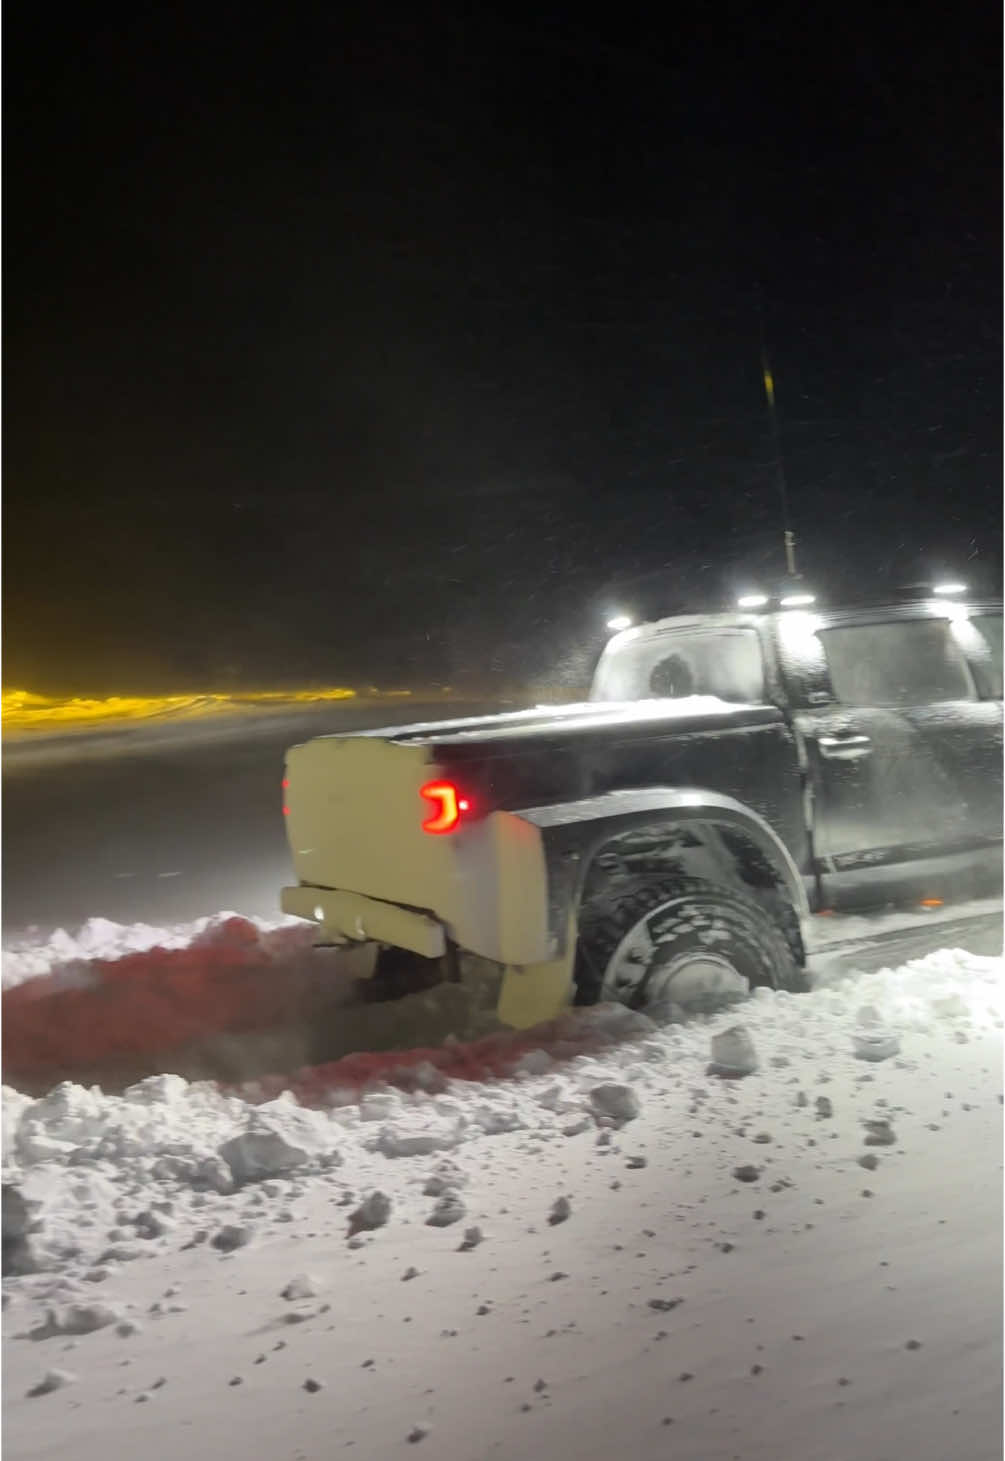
<point x="619" y="622"/>
<point x="798" y="601"/>
<point x="752" y="601"/>
<point x="946" y="590"/>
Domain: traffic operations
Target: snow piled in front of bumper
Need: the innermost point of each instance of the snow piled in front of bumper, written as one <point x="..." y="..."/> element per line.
<point x="101" y="941"/>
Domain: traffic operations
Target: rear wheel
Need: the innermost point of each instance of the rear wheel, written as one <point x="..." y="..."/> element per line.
<point x="661" y="945"/>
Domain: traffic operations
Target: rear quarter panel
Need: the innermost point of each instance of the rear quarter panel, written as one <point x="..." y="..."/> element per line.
<point x="758" y="765"/>
<point x="746" y="753"/>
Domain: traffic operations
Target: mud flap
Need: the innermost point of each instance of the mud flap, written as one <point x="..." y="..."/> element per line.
<point x="532" y="993"/>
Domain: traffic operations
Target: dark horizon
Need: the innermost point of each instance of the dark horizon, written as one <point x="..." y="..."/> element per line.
<point x="376" y="349"/>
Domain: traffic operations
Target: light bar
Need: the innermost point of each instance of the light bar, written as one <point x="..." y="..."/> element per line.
<point x="798" y="601"/>
<point x="619" y="622"/>
<point x="752" y="601"/>
<point x="949" y="590"/>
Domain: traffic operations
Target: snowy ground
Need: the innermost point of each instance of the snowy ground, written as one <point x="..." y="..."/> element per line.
<point x="831" y="1306"/>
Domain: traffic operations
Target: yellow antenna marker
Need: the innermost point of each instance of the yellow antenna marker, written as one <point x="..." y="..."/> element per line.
<point x="769" y="385"/>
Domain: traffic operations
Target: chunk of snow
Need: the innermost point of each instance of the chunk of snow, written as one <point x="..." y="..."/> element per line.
<point x="561" y="1211"/>
<point x="77" y="1319"/>
<point x="449" y="1209"/>
<point x="151" y="1225"/>
<point x="554" y="1097"/>
<point x="379" y="1105"/>
<point x="534" y="1062"/>
<point x="733" y="1053"/>
<point x="231" y="1237"/>
<point x="418" y="1137"/>
<point x="372" y="1213"/>
<point x="619" y="1102"/>
<point x="14" y="1106"/>
<point x="157" y="1090"/>
<point x="876" y="1045"/>
<point x="259" y="1152"/>
<point x="444" y="1176"/>
<point x="302" y="1286"/>
<point x="576" y="1128"/>
<point x="52" y="1380"/>
<point x="213" y="1174"/>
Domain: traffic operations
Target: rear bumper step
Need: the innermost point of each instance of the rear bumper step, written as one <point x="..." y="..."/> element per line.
<point x="357" y="919"/>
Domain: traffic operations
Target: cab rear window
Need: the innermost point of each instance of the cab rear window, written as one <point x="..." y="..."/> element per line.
<point x="725" y="663"/>
<point x="903" y="662"/>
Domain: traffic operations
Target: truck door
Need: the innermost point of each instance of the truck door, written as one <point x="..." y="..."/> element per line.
<point x="903" y="756"/>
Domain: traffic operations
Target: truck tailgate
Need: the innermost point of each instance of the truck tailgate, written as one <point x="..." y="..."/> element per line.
<point x="354" y="818"/>
<point x="355" y="815"/>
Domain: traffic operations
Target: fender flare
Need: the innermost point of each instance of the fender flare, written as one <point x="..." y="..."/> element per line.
<point x="574" y="832"/>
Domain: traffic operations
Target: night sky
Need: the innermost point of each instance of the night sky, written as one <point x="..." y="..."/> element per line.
<point x="381" y="345"/>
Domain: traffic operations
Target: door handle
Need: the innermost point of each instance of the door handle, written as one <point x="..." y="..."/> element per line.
<point x="848" y="747"/>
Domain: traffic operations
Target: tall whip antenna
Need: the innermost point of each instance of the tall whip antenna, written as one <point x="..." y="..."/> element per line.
<point x="788" y="536"/>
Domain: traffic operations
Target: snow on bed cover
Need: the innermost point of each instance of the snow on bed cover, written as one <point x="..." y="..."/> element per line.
<point x="116" y="996"/>
<point x="96" y="1179"/>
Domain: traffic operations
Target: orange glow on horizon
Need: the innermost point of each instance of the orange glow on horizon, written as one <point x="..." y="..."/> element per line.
<point x="24" y="711"/>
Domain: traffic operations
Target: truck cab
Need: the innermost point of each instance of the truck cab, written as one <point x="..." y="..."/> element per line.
<point x="897" y="713"/>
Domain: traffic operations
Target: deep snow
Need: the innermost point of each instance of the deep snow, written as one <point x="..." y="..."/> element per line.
<point x="845" y="1300"/>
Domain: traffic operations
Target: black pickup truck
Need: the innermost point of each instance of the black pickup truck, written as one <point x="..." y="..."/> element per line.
<point x="663" y="843"/>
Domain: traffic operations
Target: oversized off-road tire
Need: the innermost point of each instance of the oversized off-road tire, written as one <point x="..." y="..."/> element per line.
<point x="679" y="944"/>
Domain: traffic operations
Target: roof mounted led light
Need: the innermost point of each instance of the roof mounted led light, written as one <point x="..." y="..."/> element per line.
<point x="949" y="590"/>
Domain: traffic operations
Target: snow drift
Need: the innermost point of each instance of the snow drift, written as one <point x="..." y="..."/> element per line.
<point x="576" y="1242"/>
<point x="237" y="998"/>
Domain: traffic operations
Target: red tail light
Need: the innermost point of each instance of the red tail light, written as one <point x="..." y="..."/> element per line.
<point x="447" y="803"/>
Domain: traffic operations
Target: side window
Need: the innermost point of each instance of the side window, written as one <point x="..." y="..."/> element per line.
<point x="726" y="664"/>
<point x="989" y="626"/>
<point x="904" y="662"/>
